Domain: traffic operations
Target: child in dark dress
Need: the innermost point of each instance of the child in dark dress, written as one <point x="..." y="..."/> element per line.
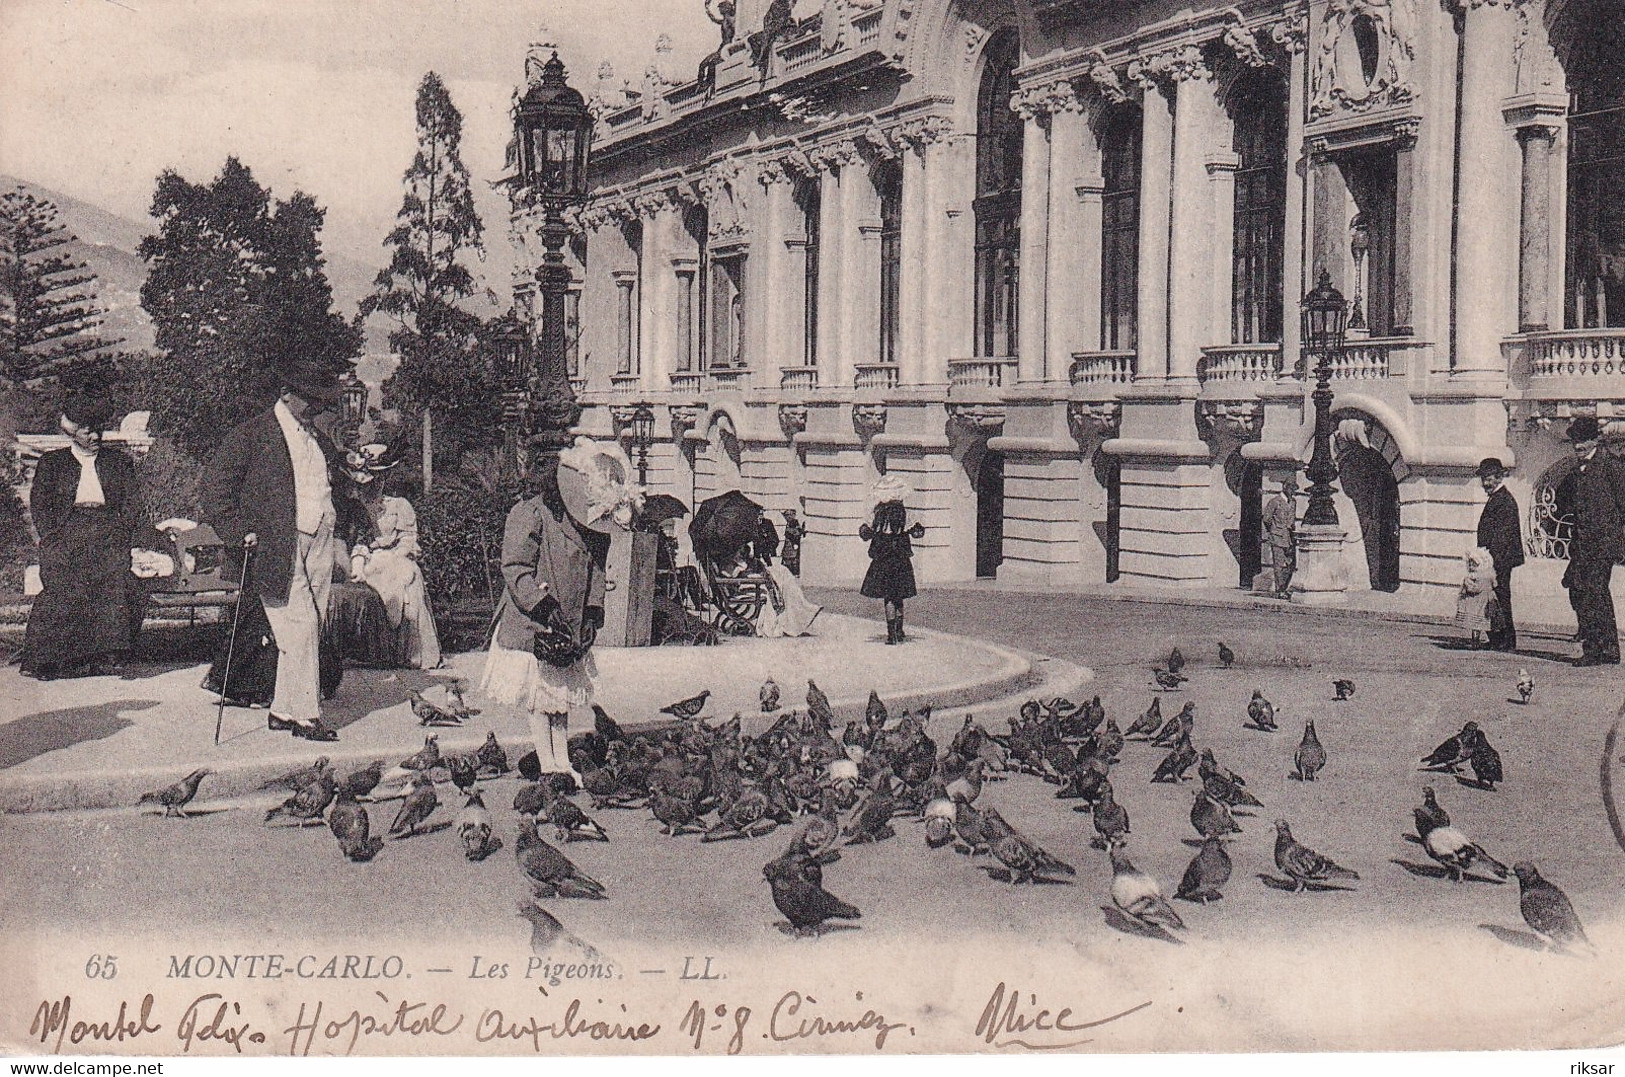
<point x="891" y="571"/>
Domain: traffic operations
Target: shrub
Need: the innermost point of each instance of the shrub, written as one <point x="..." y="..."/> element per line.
<point x="167" y="478"/>
<point x="460" y="529"/>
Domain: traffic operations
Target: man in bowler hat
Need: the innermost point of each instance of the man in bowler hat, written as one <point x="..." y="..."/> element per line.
<point x="1598" y="543"/>
<point x="268" y="487"/>
<point x="1500" y="532"/>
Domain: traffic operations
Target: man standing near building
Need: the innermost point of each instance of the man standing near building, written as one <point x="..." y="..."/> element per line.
<point x="267" y="487"/>
<point x="1280" y="529"/>
<point x="1598" y="543"/>
<point x="1501" y="533"/>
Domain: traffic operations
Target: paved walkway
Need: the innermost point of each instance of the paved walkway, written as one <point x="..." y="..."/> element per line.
<point x="101" y="741"/>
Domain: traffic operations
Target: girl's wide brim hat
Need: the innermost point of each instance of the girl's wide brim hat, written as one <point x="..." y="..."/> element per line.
<point x="889" y="488"/>
<point x="594" y="483"/>
<point x="369" y="461"/>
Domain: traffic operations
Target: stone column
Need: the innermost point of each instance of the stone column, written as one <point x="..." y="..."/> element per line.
<point x="1538" y="123"/>
<point x="858" y="308"/>
<point x="913" y="314"/>
<point x="1221" y="169"/>
<point x="1485" y="299"/>
<point x="1295" y="278"/>
<point x="951" y="245"/>
<point x="657" y="288"/>
<point x="1191" y="255"/>
<point x="831" y="257"/>
<point x="1035" y="169"/>
<point x="780" y="278"/>
<point x="1074" y="238"/>
<point x="1156" y="163"/>
<point x="626" y="322"/>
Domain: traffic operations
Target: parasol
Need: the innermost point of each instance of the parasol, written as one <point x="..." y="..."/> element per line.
<point x="658" y="508"/>
<point x="724" y="525"/>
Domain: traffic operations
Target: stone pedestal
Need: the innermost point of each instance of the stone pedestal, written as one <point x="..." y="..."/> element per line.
<point x="1321" y="577"/>
<point x="629" y="589"/>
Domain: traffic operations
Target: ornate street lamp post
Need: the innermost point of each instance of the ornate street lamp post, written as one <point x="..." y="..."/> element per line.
<point x="643" y="436"/>
<point x="1325" y="319"/>
<point x="554" y="130"/>
<point x="353" y="402"/>
<point x="510" y="345"/>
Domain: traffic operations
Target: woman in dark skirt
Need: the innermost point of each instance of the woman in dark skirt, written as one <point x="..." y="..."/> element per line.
<point x="86" y="509"/>
<point x="891" y="569"/>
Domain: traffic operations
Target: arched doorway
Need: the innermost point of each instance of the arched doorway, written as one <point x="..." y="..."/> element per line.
<point x="1109" y="473"/>
<point x="1368" y="482"/>
<point x="1246" y="479"/>
<point x="989" y="514"/>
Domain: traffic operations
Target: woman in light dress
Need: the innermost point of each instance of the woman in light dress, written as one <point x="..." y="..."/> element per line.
<point x="388" y="562"/>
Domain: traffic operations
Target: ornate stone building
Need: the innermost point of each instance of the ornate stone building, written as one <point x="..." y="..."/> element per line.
<point x="1041" y="259"/>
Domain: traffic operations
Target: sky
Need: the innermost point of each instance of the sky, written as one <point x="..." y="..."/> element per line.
<point x="99" y="96"/>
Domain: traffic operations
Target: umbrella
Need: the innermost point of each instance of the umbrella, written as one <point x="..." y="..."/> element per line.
<point x="658" y="508"/>
<point x="723" y="525"/>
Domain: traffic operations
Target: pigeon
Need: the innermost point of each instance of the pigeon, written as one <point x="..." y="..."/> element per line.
<point x="1206" y="874"/>
<point x="875" y="714"/>
<point x="570" y="823"/>
<point x="1138" y="894"/>
<point x="474" y="829"/>
<point x="1176" y="762"/>
<point x="550" y="872"/>
<point x="747" y="816"/>
<point x="1111" y="741"/>
<point x="352" y="827"/>
<point x="426" y="756"/>
<point x="1176" y="728"/>
<point x="546" y="933"/>
<point x="419" y="804"/>
<point x="1526" y="686"/>
<point x="1168" y="682"/>
<point x="870" y="821"/>
<point x="358" y="783"/>
<point x="818" y="708"/>
<point x="530" y="799"/>
<point x="1486" y="762"/>
<point x="1211" y="818"/>
<point x="970" y="826"/>
<point x="1342" y="689"/>
<point x="463" y="772"/>
<point x="1261" y="711"/>
<point x="675" y="814"/>
<point x="298" y="779"/>
<point x="429" y="714"/>
<point x="459" y="705"/>
<point x="1301" y="863"/>
<point x="1227" y="657"/>
<point x="1430" y="815"/>
<point x="1024" y="858"/>
<point x="1453" y="752"/>
<point x="804" y="903"/>
<point x="1454" y="851"/>
<point x="175" y="798"/>
<point x="1310" y="756"/>
<point x="1223" y="785"/>
<point x="493" y="759"/>
<point x="1547" y="910"/>
<point x="1176" y="661"/>
<point x="308" y="803"/>
<point x="687" y="708"/>
<point x="1148" y="723"/>
<point x="769" y="696"/>
<point x="1111" y="818"/>
<point x="939" y="822"/>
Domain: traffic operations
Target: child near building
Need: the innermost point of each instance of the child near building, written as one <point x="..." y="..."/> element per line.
<point x="891" y="570"/>
<point x="1474" y="604"/>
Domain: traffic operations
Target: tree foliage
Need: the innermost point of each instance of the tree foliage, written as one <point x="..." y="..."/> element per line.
<point x="49" y="312"/>
<point x="427" y="283"/>
<point x="236" y="284"/>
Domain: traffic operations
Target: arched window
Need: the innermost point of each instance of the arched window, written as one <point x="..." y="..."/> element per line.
<point x="998" y="200"/>
<point x="628" y="287"/>
<point x="809" y="198"/>
<point x="1259" y="105"/>
<point x="1120" y="229"/>
<point x="1595" y="295"/>
<point x="691" y="301"/>
<point x="889" y="186"/>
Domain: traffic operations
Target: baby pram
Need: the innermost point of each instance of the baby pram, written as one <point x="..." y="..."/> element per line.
<point x="726" y="531"/>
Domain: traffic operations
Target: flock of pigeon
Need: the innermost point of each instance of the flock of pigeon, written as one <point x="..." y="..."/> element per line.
<point x="841" y="788"/>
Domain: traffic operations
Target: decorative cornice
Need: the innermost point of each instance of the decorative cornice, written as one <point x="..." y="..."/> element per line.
<point x="878" y="142"/>
<point x="1092" y="420"/>
<point x="792" y="419"/>
<point x="684" y="417"/>
<point x="1046" y="98"/>
<point x="868" y="420"/>
<point x="1174" y="65"/>
<point x="1292" y="32"/>
<point x="976" y="420"/>
<point x="1105" y="79"/>
<point x="1242" y="41"/>
<point x="833" y="156"/>
<point x="1238" y="420"/>
<point x="922" y="131"/>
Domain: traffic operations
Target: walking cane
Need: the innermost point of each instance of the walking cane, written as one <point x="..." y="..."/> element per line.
<point x="249" y="544"/>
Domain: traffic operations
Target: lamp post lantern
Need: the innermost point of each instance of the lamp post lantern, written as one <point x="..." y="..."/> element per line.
<point x="353" y="402"/>
<point x="643" y="436"/>
<point x="1325" y="320"/>
<point x="554" y="131"/>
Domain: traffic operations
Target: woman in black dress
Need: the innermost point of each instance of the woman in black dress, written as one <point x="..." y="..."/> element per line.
<point x="891" y="569"/>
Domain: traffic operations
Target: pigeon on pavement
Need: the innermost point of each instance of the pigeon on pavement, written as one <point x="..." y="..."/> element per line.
<point x="546" y="933"/>
<point x="426" y="756"/>
<point x="550" y="872"/>
<point x="1430" y="815"/>
<point x="1180" y="725"/>
<point x="419" y="804"/>
<point x="352" y="827"/>
<point x="818" y="707"/>
<point x="1454" y="851"/>
<point x="1147" y="724"/>
<point x="1453" y="752"/>
<point x="1301" y="863"/>
<point x="569" y="822"/>
<point x="1223" y="785"/>
<point x="308" y="803"/>
<point x="1548" y="911"/>
<point x="687" y="708"/>
<point x="459" y="705"/>
<point x="1211" y="818"/>
<point x="175" y="798"/>
<point x="358" y="783"/>
<point x="1111" y="818"/>
<point x="1227" y="657"/>
<point x="769" y="696"/>
<point x="1310" y="756"/>
<point x="298" y="779"/>
<point x="463" y="772"/>
<point x="1486" y="762"/>
<point x="1168" y="681"/>
<point x="493" y="759"/>
<point x="1342" y="689"/>
<point x="429" y="714"/>
<point x="1207" y="873"/>
<point x="804" y="903"/>
<point x="1024" y="857"/>
<point x="1261" y="711"/>
<point x="474" y="829"/>
<point x="1526" y="686"/>
<point x="939" y="822"/>
<point x="1138" y="894"/>
<point x="1176" y="661"/>
<point x="1176" y="762"/>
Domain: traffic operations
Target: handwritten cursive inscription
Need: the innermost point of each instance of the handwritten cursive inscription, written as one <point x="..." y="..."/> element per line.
<point x="57" y="1017"/>
<point x="495" y="1025"/>
<point x="1006" y="1023"/>
<point x="407" y="1019"/>
<point x="226" y="1025"/>
<point x="789" y="1022"/>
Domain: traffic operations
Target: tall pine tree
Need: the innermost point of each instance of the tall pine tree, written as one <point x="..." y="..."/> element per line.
<point x="49" y="312"/>
<point x="426" y="285"/>
<point x="236" y="284"/>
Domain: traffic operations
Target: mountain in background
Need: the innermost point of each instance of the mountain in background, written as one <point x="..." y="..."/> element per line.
<point x="107" y="242"/>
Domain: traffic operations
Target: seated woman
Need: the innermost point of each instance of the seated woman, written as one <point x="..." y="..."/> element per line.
<point x="388" y="560"/>
<point x="787" y="613"/>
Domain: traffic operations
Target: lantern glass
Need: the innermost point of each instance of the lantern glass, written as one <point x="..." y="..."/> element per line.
<point x="643" y="426"/>
<point x="354" y="398"/>
<point x="555" y="127"/>
<point x="1325" y="317"/>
